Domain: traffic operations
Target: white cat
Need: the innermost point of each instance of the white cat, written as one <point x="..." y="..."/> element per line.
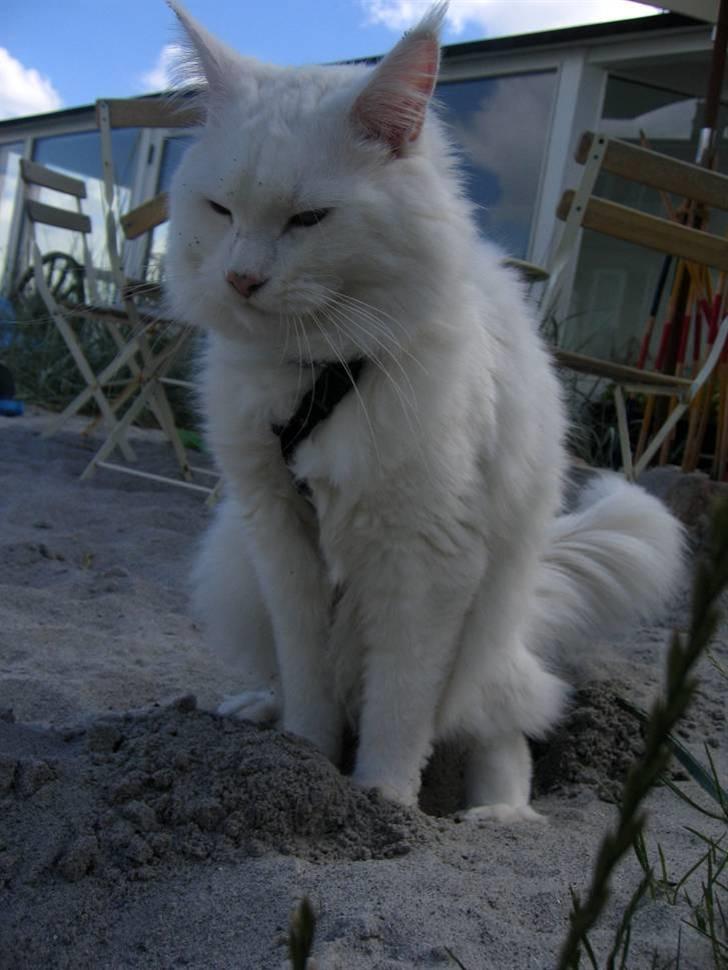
<point x="319" y="217"/>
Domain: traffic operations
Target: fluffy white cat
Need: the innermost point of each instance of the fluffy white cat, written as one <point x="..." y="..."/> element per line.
<point x="319" y="217"/>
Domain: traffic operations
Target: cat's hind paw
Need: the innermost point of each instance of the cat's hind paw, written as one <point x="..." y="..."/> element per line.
<point x="258" y="706"/>
<point x="500" y="813"/>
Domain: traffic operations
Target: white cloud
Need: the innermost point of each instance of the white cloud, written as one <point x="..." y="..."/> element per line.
<point x="505" y="137"/>
<point x="23" y="90"/>
<point x="676" y="121"/>
<point x="499" y="136"/>
<point x="161" y="76"/>
<point x="503" y="17"/>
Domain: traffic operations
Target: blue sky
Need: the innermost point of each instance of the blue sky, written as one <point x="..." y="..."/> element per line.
<point x="63" y="54"/>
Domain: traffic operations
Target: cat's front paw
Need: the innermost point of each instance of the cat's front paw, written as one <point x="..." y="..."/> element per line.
<point x="308" y="461"/>
<point x="400" y="794"/>
<point x="326" y="737"/>
<point x="500" y="813"/>
<point x="258" y="706"/>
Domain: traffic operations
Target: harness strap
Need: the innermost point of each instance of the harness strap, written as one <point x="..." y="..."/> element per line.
<point x="332" y="384"/>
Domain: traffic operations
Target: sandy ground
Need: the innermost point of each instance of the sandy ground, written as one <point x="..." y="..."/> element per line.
<point x="139" y="830"/>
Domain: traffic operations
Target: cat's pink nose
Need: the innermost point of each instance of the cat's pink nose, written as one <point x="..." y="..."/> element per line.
<point x="245" y="283"/>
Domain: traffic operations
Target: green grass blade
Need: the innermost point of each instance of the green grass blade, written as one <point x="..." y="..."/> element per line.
<point x="707" y="779"/>
<point x="301" y="933"/>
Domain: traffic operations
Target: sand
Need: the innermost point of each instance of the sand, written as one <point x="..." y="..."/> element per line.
<point x="138" y="829"/>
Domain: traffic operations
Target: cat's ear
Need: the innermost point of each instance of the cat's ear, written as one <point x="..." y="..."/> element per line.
<point x="203" y="59"/>
<point x="392" y="106"/>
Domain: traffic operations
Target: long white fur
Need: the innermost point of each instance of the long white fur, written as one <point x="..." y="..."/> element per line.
<point x="437" y="482"/>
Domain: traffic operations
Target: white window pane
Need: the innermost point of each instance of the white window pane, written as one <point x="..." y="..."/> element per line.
<point x="10" y="156"/>
<point x="79" y="155"/>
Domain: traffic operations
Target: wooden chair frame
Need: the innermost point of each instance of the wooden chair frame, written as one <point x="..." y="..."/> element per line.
<point x="152" y="375"/>
<point x="581" y="209"/>
<point x="38" y="213"/>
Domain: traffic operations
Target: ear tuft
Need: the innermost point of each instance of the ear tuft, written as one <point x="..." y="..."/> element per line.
<point x="393" y="105"/>
<point x="203" y="60"/>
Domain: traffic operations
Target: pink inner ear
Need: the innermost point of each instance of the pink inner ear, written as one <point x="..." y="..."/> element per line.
<point x="392" y="106"/>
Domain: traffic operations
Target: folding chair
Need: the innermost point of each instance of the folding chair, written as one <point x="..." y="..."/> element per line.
<point x="152" y="374"/>
<point x="581" y="209"/>
<point x="76" y="224"/>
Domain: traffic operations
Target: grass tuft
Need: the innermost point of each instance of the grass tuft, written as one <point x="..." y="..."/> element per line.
<point x="301" y="932"/>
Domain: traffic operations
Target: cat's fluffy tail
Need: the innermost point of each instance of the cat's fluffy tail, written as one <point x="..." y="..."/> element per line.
<point x="615" y="559"/>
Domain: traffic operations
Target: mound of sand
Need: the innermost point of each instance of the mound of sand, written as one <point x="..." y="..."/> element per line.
<point x="129" y="795"/>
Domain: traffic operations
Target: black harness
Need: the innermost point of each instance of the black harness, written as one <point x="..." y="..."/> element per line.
<point x="332" y="384"/>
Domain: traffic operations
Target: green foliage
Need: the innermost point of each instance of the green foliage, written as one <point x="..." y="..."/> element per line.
<point x="705" y="777"/>
<point x="708" y="910"/>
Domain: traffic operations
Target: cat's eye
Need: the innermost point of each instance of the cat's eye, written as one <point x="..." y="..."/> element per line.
<point x="310" y="218"/>
<point x="220" y="209"/>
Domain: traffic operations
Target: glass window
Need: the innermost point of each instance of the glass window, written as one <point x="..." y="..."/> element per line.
<point x="500" y="125"/>
<point x="616" y="282"/>
<point x="79" y="155"/>
<point x="10" y="156"/>
<point x="174" y="149"/>
<point x="172" y="152"/>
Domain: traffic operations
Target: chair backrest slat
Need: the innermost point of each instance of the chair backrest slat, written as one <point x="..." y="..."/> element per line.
<point x="34" y="174"/>
<point x="622" y="373"/>
<point x="633" y="226"/>
<point x="51" y="215"/>
<point x="148" y="113"/>
<point x="145" y="217"/>
<point x="657" y="170"/>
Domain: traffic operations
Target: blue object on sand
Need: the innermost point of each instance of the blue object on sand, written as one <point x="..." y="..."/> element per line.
<point x="10" y="408"/>
<point x="8" y="405"/>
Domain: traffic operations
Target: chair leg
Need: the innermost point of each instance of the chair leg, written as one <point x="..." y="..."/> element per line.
<point x="116" y="402"/>
<point x="158" y="401"/>
<point x="166" y="418"/>
<point x="163" y="410"/>
<point x="661" y="436"/>
<point x="125" y="355"/>
<point x="214" y="497"/>
<point x="119" y="432"/>
<point x="624" y="442"/>
<point x="156" y="370"/>
<point x="705" y="372"/>
<point x="93" y="388"/>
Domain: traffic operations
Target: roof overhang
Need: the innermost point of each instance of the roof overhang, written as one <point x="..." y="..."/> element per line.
<point x="700" y="9"/>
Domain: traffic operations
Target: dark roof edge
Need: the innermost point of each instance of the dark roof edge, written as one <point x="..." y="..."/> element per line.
<point x="613" y="29"/>
<point x="513" y="42"/>
<point x="31" y="121"/>
<point x="562" y="35"/>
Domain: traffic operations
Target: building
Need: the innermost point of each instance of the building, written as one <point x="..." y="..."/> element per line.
<point x="516" y="106"/>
